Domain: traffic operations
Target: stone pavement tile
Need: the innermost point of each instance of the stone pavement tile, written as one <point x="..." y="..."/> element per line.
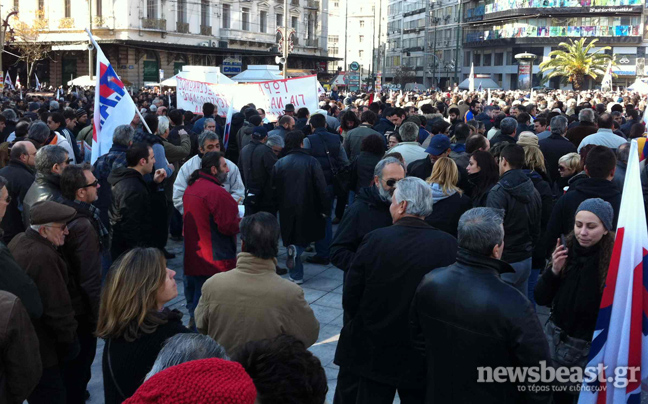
<point x="325" y="352"/>
<point x="331" y="373"/>
<point x="338" y="290"/>
<point x="312" y="270"/>
<point x="325" y="314"/>
<point x="321" y="283"/>
<point x="332" y="384"/>
<point x="331" y="299"/>
<point x="312" y="295"/>
<point x="333" y="273"/>
<point x="338" y="321"/>
<point x="328" y="334"/>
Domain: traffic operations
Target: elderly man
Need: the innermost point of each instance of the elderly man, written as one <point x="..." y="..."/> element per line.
<point x="19" y="175"/>
<point x="369" y="211"/>
<point x="36" y="252"/>
<point x="251" y="302"/>
<point x="586" y="126"/>
<point x="208" y="142"/>
<point x="508" y="127"/>
<point x="286" y="124"/>
<point x="83" y="249"/>
<point x="409" y="148"/>
<point x="491" y="324"/>
<point x="378" y="291"/>
<point x="276" y="143"/>
<point x="50" y="162"/>
<point x="556" y="146"/>
<point x="209" y="111"/>
<point x="605" y="136"/>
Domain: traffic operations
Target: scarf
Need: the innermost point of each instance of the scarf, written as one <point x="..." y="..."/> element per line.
<point x="92" y="212"/>
<point x="142" y="136"/>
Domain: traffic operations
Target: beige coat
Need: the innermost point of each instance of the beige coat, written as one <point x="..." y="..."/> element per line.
<point x="251" y="302"/>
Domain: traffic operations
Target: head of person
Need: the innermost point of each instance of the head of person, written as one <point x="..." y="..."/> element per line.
<point x="396" y="116"/>
<point x="533" y="157"/>
<point x="369" y="117"/>
<point x="54" y="106"/>
<point x="477" y="142"/>
<point x="50" y="219"/>
<point x="440" y="127"/>
<point x="22" y="128"/>
<point x="594" y="221"/>
<point x="559" y="125"/>
<point x="51" y="160"/>
<point x="569" y="164"/>
<point x="511" y="158"/>
<point x="618" y="118"/>
<point x="38" y="133"/>
<point x="5" y="199"/>
<point x="349" y="120"/>
<point x="287" y="122"/>
<point x="276" y="143"/>
<point x="409" y="131"/>
<point x="453" y="114"/>
<point x="152" y="121"/>
<point x="123" y="135"/>
<point x="208" y="109"/>
<point x="260" y="235"/>
<point x="373" y="144"/>
<point x="163" y="126"/>
<point x="208" y="142"/>
<point x="633" y="114"/>
<point x="539" y="125"/>
<point x="161" y="110"/>
<point x="600" y="163"/>
<point x="261" y="112"/>
<point x="214" y="164"/>
<point x="446" y="175"/>
<point x="289" y="110"/>
<point x="586" y="115"/>
<point x="483" y="164"/>
<point x="183" y="348"/>
<point x="136" y="120"/>
<point x="481" y="232"/>
<point x="294" y="140"/>
<point x="623" y="153"/>
<point x="412" y="198"/>
<point x="175" y="116"/>
<point x="508" y="126"/>
<point x="24" y="152"/>
<point x="318" y="121"/>
<point x="70" y="118"/>
<point x="9" y="115"/>
<point x="56" y="121"/>
<point x="260" y="134"/>
<point x="475" y="106"/>
<point x="394" y="140"/>
<point x="81" y="116"/>
<point x="605" y="121"/>
<point x="302" y="113"/>
<point x="387" y="173"/>
<point x="439" y="147"/>
<point x="523" y="118"/>
<point x="137" y="287"/>
<point x="283" y="371"/>
<point x="209" y="124"/>
<point x="637" y="130"/>
<point x="461" y="132"/>
<point x="140" y="157"/>
<point x="78" y="183"/>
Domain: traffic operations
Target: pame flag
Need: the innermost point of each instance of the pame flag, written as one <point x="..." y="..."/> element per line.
<point x="619" y="348"/>
<point x="113" y="105"/>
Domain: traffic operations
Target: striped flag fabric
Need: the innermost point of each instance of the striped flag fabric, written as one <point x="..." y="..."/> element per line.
<point x="228" y="124"/>
<point x="621" y="336"/>
<point x="8" y="82"/>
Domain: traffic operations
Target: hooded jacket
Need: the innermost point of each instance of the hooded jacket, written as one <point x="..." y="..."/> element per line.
<point x="522" y="206"/>
<point x="384" y="125"/>
<point x="447" y="209"/>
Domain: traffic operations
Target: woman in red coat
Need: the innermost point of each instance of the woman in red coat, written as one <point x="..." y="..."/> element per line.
<point x="211" y="222"/>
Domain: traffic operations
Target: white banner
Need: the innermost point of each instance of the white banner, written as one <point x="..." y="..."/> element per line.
<point x="272" y="96"/>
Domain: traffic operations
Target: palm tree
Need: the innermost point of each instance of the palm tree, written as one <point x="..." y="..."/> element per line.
<point x="576" y="62"/>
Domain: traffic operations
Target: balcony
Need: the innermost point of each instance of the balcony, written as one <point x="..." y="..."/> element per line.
<point x="241" y="36"/>
<point x="182" y="27"/>
<point x="312" y="4"/>
<point x="99" y="21"/>
<point x="294" y="2"/>
<point x="205" y="30"/>
<point x="154" y="23"/>
<point x="311" y="43"/>
<point x="66" y="23"/>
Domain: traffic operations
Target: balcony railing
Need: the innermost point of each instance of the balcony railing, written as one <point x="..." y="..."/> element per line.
<point x="312" y="4"/>
<point x="154" y="23"/>
<point x="66" y="23"/>
<point x="312" y="43"/>
<point x="182" y="27"/>
<point x="205" y="29"/>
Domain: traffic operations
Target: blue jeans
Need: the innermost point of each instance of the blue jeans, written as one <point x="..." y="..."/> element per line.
<point x="298" y="271"/>
<point x="106" y="262"/>
<point x="323" y="246"/>
<point x="193" y="290"/>
<point x="533" y="281"/>
<point x="520" y="278"/>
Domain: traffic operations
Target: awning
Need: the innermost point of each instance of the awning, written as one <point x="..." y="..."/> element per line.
<point x="639" y="86"/>
<point x="484" y="82"/>
<point x="258" y="73"/>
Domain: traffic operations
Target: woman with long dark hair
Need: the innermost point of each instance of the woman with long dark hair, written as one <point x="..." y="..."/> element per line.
<point x="348" y="120"/>
<point x="483" y="174"/>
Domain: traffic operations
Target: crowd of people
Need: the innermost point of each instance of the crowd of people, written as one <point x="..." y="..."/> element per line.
<point x="457" y="215"/>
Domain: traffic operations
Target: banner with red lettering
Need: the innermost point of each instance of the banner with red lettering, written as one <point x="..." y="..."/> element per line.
<point x="272" y="96"/>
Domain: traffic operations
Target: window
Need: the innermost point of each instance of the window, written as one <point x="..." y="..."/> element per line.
<point x="361" y="23"/>
<point x="333" y="39"/>
<point x="487" y="59"/>
<point x="360" y="53"/>
<point x="151" y="8"/>
<point x="477" y="59"/>
<point x="336" y="4"/>
<point x="361" y="38"/>
<point x="204" y="13"/>
<point x="245" y="19"/>
<point x="182" y="11"/>
<point x="263" y="21"/>
<point x="98" y="8"/>
<point x="499" y="59"/>
<point x="41" y="5"/>
<point x="68" y="11"/>
<point x="333" y="51"/>
<point x="226" y="15"/>
<point x="467" y="58"/>
<point x="279" y="20"/>
<point x="293" y="24"/>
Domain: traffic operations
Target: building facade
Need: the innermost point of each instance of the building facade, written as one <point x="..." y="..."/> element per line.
<point x="143" y="37"/>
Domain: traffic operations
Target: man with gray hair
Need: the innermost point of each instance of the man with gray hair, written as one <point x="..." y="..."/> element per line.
<point x="585" y="126"/>
<point x="508" y="128"/>
<point x="556" y="146"/>
<point x="50" y="162"/>
<point x="369" y="211"/>
<point x="38" y="133"/>
<point x="467" y="307"/>
<point x="276" y="143"/>
<point x="409" y="148"/>
<point x="622" y="154"/>
<point x="395" y="259"/>
<point x="207" y="142"/>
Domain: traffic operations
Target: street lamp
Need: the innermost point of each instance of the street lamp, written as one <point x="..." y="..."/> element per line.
<point x="3" y="33"/>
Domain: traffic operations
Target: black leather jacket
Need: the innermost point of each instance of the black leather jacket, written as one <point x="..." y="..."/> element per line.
<point x="44" y="188"/>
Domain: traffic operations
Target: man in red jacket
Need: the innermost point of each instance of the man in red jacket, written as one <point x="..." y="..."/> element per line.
<point x="211" y="222"/>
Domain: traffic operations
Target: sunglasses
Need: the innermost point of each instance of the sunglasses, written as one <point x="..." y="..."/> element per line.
<point x="92" y="184"/>
<point x="391" y="182"/>
<point x="68" y="161"/>
<point x="561" y="168"/>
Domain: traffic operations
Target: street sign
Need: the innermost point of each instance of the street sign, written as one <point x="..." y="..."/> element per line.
<point x="232" y="66"/>
<point x="352" y="80"/>
<point x="355" y="66"/>
<point x="161" y="75"/>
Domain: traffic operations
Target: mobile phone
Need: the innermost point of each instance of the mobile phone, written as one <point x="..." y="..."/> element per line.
<point x="563" y="241"/>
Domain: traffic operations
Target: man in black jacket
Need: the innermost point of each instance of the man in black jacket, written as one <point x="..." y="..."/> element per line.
<point x="490" y="326"/>
<point x="130" y="212"/>
<point x="374" y="352"/>
<point x="522" y="205"/>
<point x="600" y="167"/>
<point x="20" y="176"/>
<point x="556" y="146"/>
<point x="508" y="126"/>
<point x="50" y="162"/>
<point x="369" y="211"/>
<point x="256" y="162"/>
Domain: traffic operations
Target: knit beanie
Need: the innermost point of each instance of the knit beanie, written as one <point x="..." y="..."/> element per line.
<point x="205" y="381"/>
<point x="602" y="209"/>
<point x="80" y="112"/>
<point x="527" y="139"/>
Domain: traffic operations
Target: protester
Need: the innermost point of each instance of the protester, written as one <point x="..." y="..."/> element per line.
<point x="211" y="223"/>
<point x="371" y="152"/>
<point x="19" y="177"/>
<point x="586" y="126"/>
<point x="252" y="302"/>
<point x="285" y="125"/>
<point x="483" y="174"/>
<point x="377" y="311"/>
<point x="508" y="128"/>
<point x="604" y="136"/>
<point x="36" y="253"/>
<point x="256" y="162"/>
<point x="55" y="123"/>
<point x="355" y="137"/>
<point x="50" y="162"/>
<point x="555" y="146"/>
<point x="183" y="348"/>
<point x="622" y="155"/>
<point x="467" y="307"/>
<point x="409" y="148"/>
<point x="133" y="321"/>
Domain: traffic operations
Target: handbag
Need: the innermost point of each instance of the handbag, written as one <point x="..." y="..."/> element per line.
<point x="566" y="351"/>
<point x="341" y="175"/>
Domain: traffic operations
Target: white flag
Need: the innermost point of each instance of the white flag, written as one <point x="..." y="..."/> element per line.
<point x="38" y="85"/>
<point x="8" y="82"/>
<point x="471" y="79"/>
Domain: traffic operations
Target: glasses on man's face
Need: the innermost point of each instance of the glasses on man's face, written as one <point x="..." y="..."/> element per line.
<point x="391" y="182"/>
<point x="561" y="168"/>
<point x="62" y="228"/>
<point x="68" y="161"/>
<point x="92" y="184"/>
